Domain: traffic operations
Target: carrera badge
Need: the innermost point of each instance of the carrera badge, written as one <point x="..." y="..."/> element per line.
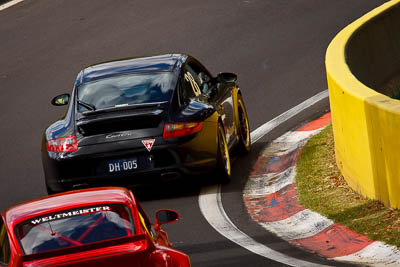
<point x="148" y="143"/>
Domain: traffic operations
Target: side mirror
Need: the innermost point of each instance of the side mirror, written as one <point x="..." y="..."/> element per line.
<point x="165" y="216"/>
<point x="227" y="77"/>
<point x="61" y="100"/>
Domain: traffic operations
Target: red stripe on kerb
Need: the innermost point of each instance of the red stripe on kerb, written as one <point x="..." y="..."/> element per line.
<point x="259" y="167"/>
<point x="282" y="163"/>
<point x="335" y="241"/>
<point x="317" y="124"/>
<point x="274" y="164"/>
<point x="274" y="207"/>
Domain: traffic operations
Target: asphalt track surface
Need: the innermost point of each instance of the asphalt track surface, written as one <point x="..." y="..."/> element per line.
<point x="277" y="49"/>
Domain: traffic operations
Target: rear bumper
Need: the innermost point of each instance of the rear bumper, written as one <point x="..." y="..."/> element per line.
<point x="153" y="167"/>
<point x="195" y="154"/>
<point x="152" y="177"/>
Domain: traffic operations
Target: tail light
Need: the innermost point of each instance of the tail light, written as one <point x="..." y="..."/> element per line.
<point x="173" y="130"/>
<point x="64" y="144"/>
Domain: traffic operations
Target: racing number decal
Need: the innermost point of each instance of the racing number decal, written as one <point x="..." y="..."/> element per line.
<point x="195" y="86"/>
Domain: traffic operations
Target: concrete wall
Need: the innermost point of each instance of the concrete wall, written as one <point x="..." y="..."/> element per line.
<point x="372" y="52"/>
<point x="366" y="124"/>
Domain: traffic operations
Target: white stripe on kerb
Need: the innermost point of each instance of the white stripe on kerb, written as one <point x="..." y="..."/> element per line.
<point x="295" y="137"/>
<point x="303" y="224"/>
<point x="269" y="183"/>
<point x="212" y="209"/>
<point x="9" y="4"/>
<point x="375" y="254"/>
<point x="288" y="143"/>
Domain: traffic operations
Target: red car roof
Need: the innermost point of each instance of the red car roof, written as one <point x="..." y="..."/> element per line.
<point x="68" y="200"/>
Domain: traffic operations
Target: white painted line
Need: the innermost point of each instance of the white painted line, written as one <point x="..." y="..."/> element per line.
<point x="269" y="183"/>
<point x="9" y="4"/>
<point x="303" y="224"/>
<point x="375" y="254"/>
<point x="272" y="124"/>
<point x="212" y="209"/>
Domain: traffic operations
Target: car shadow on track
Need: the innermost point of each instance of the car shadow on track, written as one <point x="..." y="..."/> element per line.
<point x="190" y="185"/>
<point x="222" y="253"/>
<point x="182" y="187"/>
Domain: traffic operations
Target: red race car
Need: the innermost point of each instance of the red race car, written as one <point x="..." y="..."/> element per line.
<point x="91" y="227"/>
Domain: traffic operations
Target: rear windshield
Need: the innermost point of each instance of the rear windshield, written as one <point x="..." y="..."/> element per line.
<point x="74" y="228"/>
<point x="127" y="89"/>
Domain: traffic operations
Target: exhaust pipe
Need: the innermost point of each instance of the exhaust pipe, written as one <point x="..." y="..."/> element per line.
<point x="80" y="185"/>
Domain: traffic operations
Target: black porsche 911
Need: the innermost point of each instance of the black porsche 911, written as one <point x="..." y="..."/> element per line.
<point x="141" y="120"/>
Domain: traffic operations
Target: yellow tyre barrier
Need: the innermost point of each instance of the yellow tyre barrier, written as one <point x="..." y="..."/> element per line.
<point x="366" y="124"/>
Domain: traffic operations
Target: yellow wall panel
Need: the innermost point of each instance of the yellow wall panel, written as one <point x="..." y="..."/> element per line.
<point x="366" y="124"/>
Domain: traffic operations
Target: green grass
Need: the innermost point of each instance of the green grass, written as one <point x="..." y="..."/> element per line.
<point x="322" y="188"/>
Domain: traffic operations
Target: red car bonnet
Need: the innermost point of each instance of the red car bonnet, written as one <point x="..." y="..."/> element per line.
<point x="117" y="252"/>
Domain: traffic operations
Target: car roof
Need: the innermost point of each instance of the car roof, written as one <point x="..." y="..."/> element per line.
<point x="64" y="201"/>
<point x="167" y="62"/>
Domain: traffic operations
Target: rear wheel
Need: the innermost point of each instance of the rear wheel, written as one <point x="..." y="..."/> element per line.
<point x="244" y="145"/>
<point x="52" y="192"/>
<point x="223" y="159"/>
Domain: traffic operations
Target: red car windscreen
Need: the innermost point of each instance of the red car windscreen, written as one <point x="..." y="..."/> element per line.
<point x="74" y="227"/>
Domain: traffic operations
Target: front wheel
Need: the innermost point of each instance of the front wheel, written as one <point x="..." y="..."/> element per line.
<point x="243" y="128"/>
<point x="223" y="159"/>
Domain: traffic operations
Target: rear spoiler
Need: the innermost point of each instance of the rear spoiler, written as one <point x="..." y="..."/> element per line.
<point x="125" y="107"/>
<point x="97" y="245"/>
<point x="156" y="112"/>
